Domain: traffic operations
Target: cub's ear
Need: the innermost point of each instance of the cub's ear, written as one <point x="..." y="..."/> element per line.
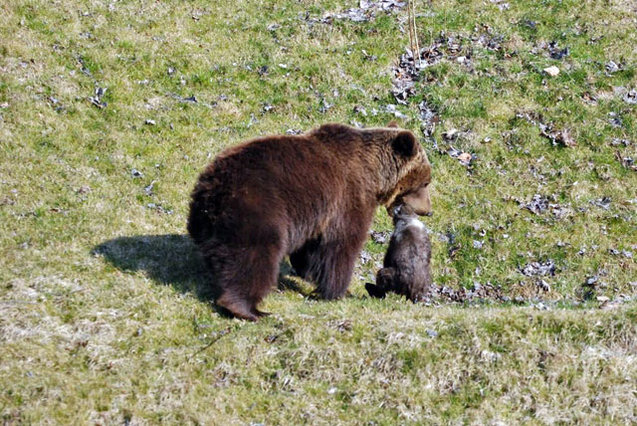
<point x="405" y="144"/>
<point x="393" y="124"/>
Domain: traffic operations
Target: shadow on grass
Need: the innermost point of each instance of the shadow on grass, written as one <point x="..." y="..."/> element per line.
<point x="172" y="259"/>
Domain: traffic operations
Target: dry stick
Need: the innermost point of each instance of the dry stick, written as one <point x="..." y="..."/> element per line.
<point x="214" y="340"/>
<point x="413" y="16"/>
<point x="410" y="27"/>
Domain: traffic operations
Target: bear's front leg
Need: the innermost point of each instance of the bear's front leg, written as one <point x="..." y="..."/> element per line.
<point x="334" y="269"/>
<point x="331" y="262"/>
<point x="335" y="262"/>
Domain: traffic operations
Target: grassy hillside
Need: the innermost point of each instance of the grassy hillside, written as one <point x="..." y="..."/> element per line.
<point x="110" y="109"/>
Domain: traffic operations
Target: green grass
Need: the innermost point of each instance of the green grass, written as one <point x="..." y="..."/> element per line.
<point x="104" y="316"/>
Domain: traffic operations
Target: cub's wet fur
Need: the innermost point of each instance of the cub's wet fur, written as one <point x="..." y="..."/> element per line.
<point x="406" y="269"/>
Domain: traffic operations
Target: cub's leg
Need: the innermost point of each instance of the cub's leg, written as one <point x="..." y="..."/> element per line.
<point x="384" y="282"/>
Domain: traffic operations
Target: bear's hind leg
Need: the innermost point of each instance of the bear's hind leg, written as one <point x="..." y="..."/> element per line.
<point x="237" y="305"/>
<point x="245" y="277"/>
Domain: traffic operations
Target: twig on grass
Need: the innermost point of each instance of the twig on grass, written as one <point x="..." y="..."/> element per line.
<point x="219" y="335"/>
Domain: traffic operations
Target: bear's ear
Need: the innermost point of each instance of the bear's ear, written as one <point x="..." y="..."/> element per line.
<point x="405" y="144"/>
<point x="392" y="124"/>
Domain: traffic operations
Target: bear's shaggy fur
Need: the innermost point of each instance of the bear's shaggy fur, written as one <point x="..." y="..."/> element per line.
<point x="311" y="196"/>
<point x="406" y="269"/>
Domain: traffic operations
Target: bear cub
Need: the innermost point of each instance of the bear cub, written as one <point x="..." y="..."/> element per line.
<point x="406" y="269"/>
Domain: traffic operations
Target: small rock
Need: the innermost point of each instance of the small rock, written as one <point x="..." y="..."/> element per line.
<point x="432" y="333"/>
<point x="490" y="356"/>
<point x="615" y="120"/>
<point x="150" y="122"/>
<point x="149" y="189"/>
<point x="602" y="298"/>
<point x="612" y="67"/>
<point x="631" y="97"/>
<point x="603" y="202"/>
<point x="552" y="71"/>
<point x="136" y="173"/>
<point x="591" y="281"/>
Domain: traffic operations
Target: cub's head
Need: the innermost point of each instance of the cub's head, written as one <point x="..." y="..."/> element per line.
<point x="403" y="213"/>
<point x="413" y="175"/>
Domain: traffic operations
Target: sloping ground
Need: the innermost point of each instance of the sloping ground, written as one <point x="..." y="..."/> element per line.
<point x="109" y="110"/>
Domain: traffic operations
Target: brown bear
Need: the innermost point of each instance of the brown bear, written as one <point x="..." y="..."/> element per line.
<point x="311" y="196"/>
<point x="406" y="268"/>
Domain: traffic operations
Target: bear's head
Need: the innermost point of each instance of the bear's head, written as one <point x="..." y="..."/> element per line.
<point x="413" y="174"/>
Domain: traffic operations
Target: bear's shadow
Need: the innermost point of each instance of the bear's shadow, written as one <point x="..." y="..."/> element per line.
<point x="171" y="259"/>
